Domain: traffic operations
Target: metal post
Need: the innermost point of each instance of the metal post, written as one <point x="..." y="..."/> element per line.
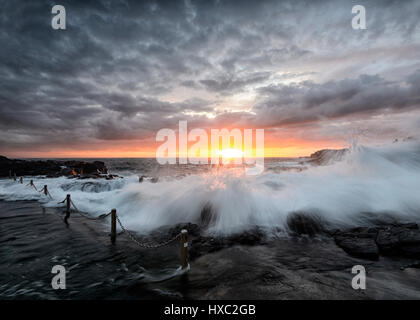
<point x="21" y="180"/>
<point x="68" y="202"/>
<point x="113" y="225"/>
<point x="14" y="177"/>
<point x="184" y="249"/>
<point x="46" y="190"/>
<point x="32" y="185"/>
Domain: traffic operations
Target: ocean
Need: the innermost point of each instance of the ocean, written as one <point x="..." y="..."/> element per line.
<point x="356" y="188"/>
<point x="365" y="183"/>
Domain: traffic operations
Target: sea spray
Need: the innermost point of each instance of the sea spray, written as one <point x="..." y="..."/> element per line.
<point x="364" y="182"/>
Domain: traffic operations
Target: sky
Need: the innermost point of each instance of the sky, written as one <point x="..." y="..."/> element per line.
<point x="123" y="70"/>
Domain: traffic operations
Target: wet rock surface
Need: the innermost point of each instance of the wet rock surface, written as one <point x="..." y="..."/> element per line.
<point x="370" y="242"/>
<point x="398" y="240"/>
<point x="326" y="156"/>
<point x="248" y="265"/>
<point x="202" y="243"/>
<point x="301" y="223"/>
<point x="359" y="243"/>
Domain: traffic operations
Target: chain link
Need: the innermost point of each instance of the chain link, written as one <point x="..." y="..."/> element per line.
<point x="102" y="216"/>
<point x="146" y="245"/>
<point x="43" y="191"/>
<point x="129" y="234"/>
<point x="31" y="185"/>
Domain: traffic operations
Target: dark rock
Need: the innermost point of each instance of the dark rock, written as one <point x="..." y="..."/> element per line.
<point x="360" y="232"/>
<point x="304" y="224"/>
<point x="359" y="242"/>
<point x="251" y="237"/>
<point x="193" y="229"/>
<point x="411" y="225"/>
<point x="327" y="156"/>
<point x="89" y="168"/>
<point x="95" y="187"/>
<point x="66" y="171"/>
<point x="398" y="239"/>
<point x="410" y="243"/>
<point x="51" y="168"/>
<point x="401" y="240"/>
<point x="207" y="216"/>
<point x="147" y="178"/>
<point x="332" y="232"/>
<point x="412" y="265"/>
<point x="388" y="241"/>
<point x="86" y="168"/>
<point x="359" y="247"/>
<point x="24" y="167"/>
<point x="205" y="244"/>
<point x="202" y="244"/>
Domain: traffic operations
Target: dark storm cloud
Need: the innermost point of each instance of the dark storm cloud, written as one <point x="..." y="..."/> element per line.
<point x="308" y="101"/>
<point x="232" y="83"/>
<point x="125" y="69"/>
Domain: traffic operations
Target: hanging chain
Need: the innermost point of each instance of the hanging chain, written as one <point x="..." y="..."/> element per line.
<point x="146" y="245"/>
<point x="102" y="216"/>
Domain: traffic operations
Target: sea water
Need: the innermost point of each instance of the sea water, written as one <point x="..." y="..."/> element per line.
<point x="373" y="180"/>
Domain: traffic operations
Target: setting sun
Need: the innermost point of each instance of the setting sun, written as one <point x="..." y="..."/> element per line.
<point x="231" y="153"/>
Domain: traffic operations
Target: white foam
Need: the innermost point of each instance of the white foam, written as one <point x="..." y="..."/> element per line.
<point x="368" y="179"/>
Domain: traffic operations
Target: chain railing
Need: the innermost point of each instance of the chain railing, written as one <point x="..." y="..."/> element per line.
<point x="102" y="216"/>
<point x="31" y="184"/>
<point x="183" y="235"/>
<point x="125" y="230"/>
<point x="45" y="191"/>
<point x="147" y="245"/>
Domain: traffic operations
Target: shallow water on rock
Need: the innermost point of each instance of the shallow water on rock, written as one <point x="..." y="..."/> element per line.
<point x="33" y="239"/>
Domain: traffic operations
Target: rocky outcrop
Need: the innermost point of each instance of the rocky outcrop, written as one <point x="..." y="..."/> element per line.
<point x="327" y="156"/>
<point x="203" y="243"/>
<point x="301" y="223"/>
<point x="82" y="167"/>
<point x="359" y="242"/>
<point x="207" y="216"/>
<point x="51" y="168"/>
<point x="397" y="239"/>
<point x="393" y="240"/>
<point x="147" y="178"/>
<point x="402" y="240"/>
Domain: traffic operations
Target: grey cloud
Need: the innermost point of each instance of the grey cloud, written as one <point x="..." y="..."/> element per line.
<point x="109" y="75"/>
<point x="309" y="101"/>
<point x="226" y="84"/>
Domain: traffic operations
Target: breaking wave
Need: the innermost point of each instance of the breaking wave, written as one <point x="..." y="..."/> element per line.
<point x="364" y="182"/>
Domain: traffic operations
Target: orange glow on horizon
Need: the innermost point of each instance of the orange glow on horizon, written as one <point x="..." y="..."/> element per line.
<point x="283" y="148"/>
